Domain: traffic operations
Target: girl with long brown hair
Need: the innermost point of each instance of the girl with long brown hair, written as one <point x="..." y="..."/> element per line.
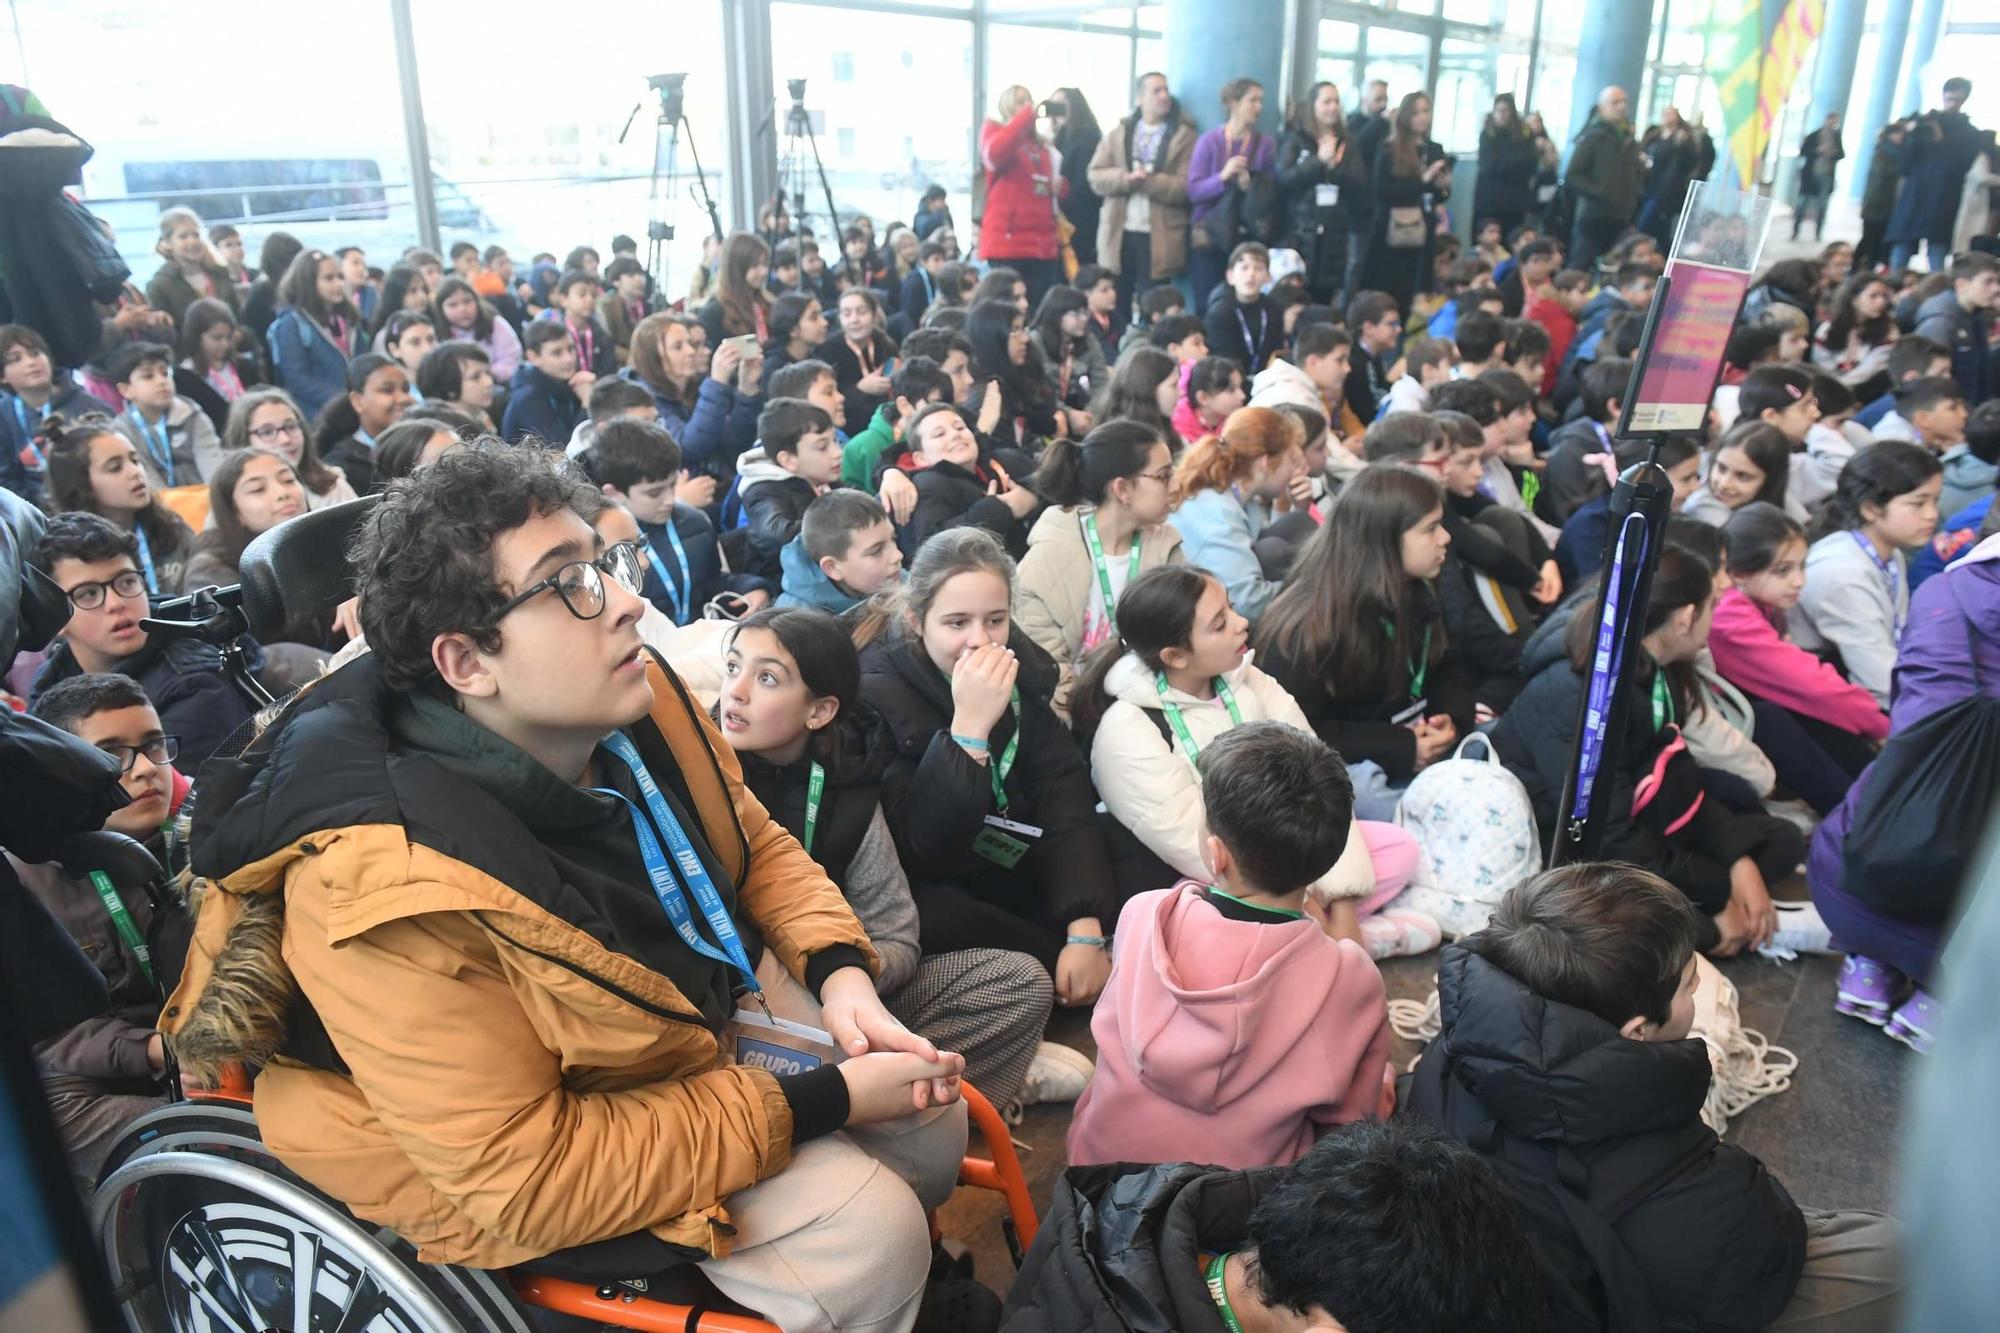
<point x="741" y="304"/>
<point x="714" y="416"/>
<point x="1412" y="177"/>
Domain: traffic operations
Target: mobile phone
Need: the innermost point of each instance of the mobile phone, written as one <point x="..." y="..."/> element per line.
<point x="744" y="343"/>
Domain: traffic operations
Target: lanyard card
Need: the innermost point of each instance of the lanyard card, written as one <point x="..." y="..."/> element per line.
<point x="1325" y="196"/>
<point x="1414" y="713"/>
<point x="779" y="1045"/>
<point x="1013" y="826"/>
<point x="999" y="848"/>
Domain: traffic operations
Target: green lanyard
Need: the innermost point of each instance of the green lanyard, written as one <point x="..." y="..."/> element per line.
<point x="1090" y="539"/>
<point x="1004" y="765"/>
<point x="1218" y="1291"/>
<point x="1257" y="907"/>
<point x="1663" y="700"/>
<point x="1420" y="666"/>
<point x="1173" y="712"/>
<point x="122" y="919"/>
<point x="815" y="788"/>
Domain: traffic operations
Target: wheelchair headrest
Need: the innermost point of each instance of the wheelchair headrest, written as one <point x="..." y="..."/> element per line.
<point x="299" y="568"/>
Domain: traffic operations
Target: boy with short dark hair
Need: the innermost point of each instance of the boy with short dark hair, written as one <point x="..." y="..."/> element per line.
<point x="105" y="1072"/>
<point x="1912" y="357"/>
<point x="36" y="390"/>
<point x="1244" y="324"/>
<point x="1482" y="343"/>
<point x="1575" y="1006"/>
<point x="624" y="305"/>
<point x="918" y="382"/>
<point x="796" y="460"/>
<point x="784" y="275"/>
<point x="1556" y="310"/>
<point x="543" y="399"/>
<point x="1099" y="286"/>
<point x="176" y="441"/>
<point x="1155" y="304"/>
<point x="1567" y="481"/>
<point x="1535" y="263"/>
<point x="97" y="567"/>
<point x="845" y="553"/>
<point x="574" y="306"/>
<point x="1307" y="1044"/>
<point x="812" y="380"/>
<point x="1929" y="411"/>
<point x="638" y="464"/>
<point x="1958" y="319"/>
<point x="1526" y="350"/>
<point x="1427" y="363"/>
<point x="1376" y="324"/>
<point x="611" y="399"/>
<point x="920" y="287"/>
<point x="1180" y="337"/>
<point x="1316" y="378"/>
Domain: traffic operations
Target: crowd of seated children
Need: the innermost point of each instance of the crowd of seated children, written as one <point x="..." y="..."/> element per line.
<point x="1177" y="675"/>
<point x="1240" y="1010"/>
<point x="1563" y="1059"/>
<point x="105" y="1072"/>
<point x="845" y="552"/>
<point x="1106" y="524"/>
<point x="987" y="794"/>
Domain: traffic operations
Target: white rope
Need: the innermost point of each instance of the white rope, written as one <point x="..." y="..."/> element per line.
<point x="1416" y="1020"/>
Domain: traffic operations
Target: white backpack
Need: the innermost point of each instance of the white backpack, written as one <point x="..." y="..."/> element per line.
<point x="1475" y="830"/>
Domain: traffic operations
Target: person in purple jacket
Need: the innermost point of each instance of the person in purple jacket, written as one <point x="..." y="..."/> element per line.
<point x="1228" y="158"/>
<point x="1950" y="652"/>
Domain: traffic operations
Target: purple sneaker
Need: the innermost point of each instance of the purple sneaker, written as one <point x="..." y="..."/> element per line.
<point x="1915" y="1021"/>
<point x="1867" y="989"/>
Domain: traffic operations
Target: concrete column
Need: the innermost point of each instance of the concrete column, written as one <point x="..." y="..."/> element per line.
<point x="1893" y="35"/>
<point x="1210" y="42"/>
<point x="1839" y="54"/>
<point x="1611" y="51"/>
<point x="1914" y="96"/>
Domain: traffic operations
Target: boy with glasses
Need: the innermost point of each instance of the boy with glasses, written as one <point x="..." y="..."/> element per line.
<point x="97" y="567"/>
<point x="105" y="1072"/>
<point x="494" y="911"/>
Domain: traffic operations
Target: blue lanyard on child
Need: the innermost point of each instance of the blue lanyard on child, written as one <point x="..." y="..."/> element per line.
<point x="672" y="897"/>
<point x="1604" y="665"/>
<point x="1887" y="568"/>
<point x="682" y="592"/>
<point x="146" y="559"/>
<point x="29" y="449"/>
<point x="1252" y="346"/>
<point x="159" y="446"/>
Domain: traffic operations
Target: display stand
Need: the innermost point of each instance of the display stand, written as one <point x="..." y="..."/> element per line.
<point x="1674" y="374"/>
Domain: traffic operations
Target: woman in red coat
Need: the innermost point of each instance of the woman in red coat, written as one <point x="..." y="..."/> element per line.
<point x="1023" y="184"/>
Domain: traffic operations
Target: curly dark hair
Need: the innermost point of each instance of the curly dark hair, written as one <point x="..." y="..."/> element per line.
<point x="423" y="559"/>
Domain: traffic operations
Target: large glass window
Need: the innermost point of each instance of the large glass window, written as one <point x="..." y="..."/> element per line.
<point x="1401" y="58"/>
<point x="901" y="122"/>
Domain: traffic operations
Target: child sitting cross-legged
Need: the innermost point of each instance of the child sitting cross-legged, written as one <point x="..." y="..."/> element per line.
<point x="1234" y="1026"/>
<point x="845" y="553"/>
<point x="1564" y="1059"/>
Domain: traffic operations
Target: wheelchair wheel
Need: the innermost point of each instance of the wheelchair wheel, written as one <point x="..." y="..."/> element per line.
<point x="211" y="1127"/>
<point x="203" y="1243"/>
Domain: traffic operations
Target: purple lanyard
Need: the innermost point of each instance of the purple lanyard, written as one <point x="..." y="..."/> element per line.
<point x="1251" y="346"/>
<point x="1887" y="568"/>
<point x="1604" y="667"/>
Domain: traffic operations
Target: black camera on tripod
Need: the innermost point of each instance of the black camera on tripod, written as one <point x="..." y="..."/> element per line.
<point x="671" y="88"/>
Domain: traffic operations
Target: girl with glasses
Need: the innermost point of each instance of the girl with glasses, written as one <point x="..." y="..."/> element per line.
<point x="271" y="419"/>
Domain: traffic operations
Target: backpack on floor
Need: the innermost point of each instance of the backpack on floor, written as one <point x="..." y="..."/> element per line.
<point x="1475" y="832"/>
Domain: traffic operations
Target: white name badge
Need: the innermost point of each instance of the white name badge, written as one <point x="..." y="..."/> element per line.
<point x="779" y="1045"/>
<point x="1545" y="193"/>
<point x="1325" y="196"/>
<point x="1414" y="713"/>
<point x="1025" y="830"/>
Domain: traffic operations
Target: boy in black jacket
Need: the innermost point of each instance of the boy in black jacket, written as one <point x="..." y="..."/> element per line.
<point x="637" y="463"/>
<point x="1246" y="325"/>
<point x="796" y="460"/>
<point x="545" y="397"/>
<point x="1564" y="1058"/>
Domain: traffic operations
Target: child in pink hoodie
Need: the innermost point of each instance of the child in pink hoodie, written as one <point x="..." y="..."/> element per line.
<point x="1832" y="726"/>
<point x="1234" y="1030"/>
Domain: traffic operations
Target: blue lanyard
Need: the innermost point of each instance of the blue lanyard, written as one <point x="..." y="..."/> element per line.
<point x="672" y="897"/>
<point x="682" y="592"/>
<point x="1887" y="568"/>
<point x="29" y="449"/>
<point x="159" y="446"/>
<point x="1252" y="346"/>
<point x="146" y="559"/>
<point x="1604" y="666"/>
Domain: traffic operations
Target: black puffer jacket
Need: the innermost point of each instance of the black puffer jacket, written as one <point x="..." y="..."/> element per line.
<point x="937" y="796"/>
<point x="1318" y="231"/>
<point x="1119" y="1249"/>
<point x="1507" y="166"/>
<point x="1643" y="1221"/>
<point x="855" y="758"/>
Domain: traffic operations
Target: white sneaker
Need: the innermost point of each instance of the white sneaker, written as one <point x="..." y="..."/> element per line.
<point x="1800" y="930"/>
<point x="1057" y="1074"/>
<point x="1400" y="932"/>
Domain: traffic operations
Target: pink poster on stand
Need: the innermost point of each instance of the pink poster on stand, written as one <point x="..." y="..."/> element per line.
<point x="1688" y="344"/>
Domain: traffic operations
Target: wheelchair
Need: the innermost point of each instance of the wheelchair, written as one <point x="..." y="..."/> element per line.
<point x="204" y="1230"/>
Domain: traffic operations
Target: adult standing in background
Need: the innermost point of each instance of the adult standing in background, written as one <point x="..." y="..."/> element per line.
<point x="1368" y="127"/>
<point x="1508" y="161"/>
<point x="1817" y="156"/>
<point x="1140" y="171"/>
<point x="1548" y="214"/>
<point x="1023" y="189"/>
<point x="1321" y="174"/>
<point x="1671" y="156"/>
<point x="1412" y="177"/>
<point x="1076" y="139"/>
<point x="1606" y="172"/>
<point x="1878" y="197"/>
<point x="1228" y="162"/>
<point x="1935" y="156"/>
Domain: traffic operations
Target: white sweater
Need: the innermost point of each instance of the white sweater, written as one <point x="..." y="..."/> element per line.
<point x="1149" y="786"/>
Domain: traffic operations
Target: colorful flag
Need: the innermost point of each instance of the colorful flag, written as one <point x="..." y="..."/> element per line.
<point x="1755" y="77"/>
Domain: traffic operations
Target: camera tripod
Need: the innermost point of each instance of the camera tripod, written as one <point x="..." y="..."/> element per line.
<point x="666" y="183"/>
<point x="800" y="152"/>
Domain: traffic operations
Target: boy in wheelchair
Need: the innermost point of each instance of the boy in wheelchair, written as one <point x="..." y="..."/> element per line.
<point x="486" y="906"/>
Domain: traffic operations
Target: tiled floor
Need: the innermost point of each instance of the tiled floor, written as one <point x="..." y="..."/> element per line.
<point x="1828" y="1138"/>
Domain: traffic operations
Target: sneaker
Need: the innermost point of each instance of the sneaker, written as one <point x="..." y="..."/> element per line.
<point x="1915" y="1021"/>
<point x="1867" y="990"/>
<point x="1800" y="930"/>
<point x="1057" y="1074"/>
<point x="1400" y="932"/>
<point x="958" y="1305"/>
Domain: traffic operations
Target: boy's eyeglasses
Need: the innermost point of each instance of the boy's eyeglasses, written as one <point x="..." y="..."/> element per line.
<point x="580" y="583"/>
<point x="90" y="596"/>
<point x="161" y="750"/>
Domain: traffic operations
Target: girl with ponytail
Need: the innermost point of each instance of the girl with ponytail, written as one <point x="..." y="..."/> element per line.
<point x="1181" y="663"/>
<point x="1226" y="491"/>
<point x="1107" y="522"/>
